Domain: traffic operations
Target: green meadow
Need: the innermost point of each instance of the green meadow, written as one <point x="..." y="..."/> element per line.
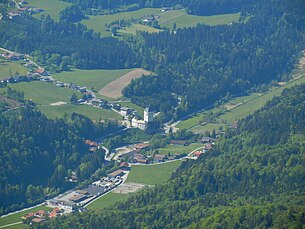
<point x="90" y="78"/>
<point x="51" y="7"/>
<point x="108" y="200"/>
<point x="43" y="93"/>
<point x="97" y="23"/>
<point x="8" y="68"/>
<point x="66" y="110"/>
<point x="182" y="19"/>
<point x="178" y="149"/>
<point x="152" y="174"/>
<point x="133" y="29"/>
<point x="14" y="218"/>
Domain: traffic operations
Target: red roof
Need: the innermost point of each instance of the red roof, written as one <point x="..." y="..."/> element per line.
<point x="142" y="161"/>
<point x="124" y="164"/>
<point x="37" y="220"/>
<point x="141" y="145"/>
<point x="40" y="70"/>
<point x="40" y="212"/>
<point x="197" y="153"/>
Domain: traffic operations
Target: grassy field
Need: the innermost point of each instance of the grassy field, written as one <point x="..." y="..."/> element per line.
<point x="7" y="68"/>
<point x="179" y="149"/>
<point x="93" y="113"/>
<point x="107" y="201"/>
<point x="251" y="104"/>
<point x="17" y="217"/>
<point x="97" y="23"/>
<point x="182" y="19"/>
<point x="90" y="78"/>
<point x="256" y="103"/>
<point x="51" y="7"/>
<point x="152" y="174"/>
<point x="139" y="27"/>
<point x="44" y="93"/>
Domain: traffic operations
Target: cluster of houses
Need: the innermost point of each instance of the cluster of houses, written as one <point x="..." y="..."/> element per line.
<point x="92" y="145"/>
<point x="23" y="7"/>
<point x="41" y="215"/>
<point x="135" y="156"/>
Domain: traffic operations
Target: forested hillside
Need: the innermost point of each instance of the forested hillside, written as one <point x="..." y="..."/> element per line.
<point x="203" y="64"/>
<point x="63" y="44"/>
<point x="245" y="182"/>
<point x="198" y="7"/>
<point x="36" y="154"/>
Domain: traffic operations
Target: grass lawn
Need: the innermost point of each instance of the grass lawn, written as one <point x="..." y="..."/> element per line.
<point x="179" y="149"/>
<point x="93" y="113"/>
<point x="90" y="78"/>
<point x="152" y="174"/>
<point x="7" y="68"/>
<point x="51" y="7"/>
<point x="207" y="127"/>
<point x="256" y="103"/>
<point x="139" y="27"/>
<point x="97" y="23"/>
<point x="43" y="93"/>
<point x="17" y="217"/>
<point x="108" y="200"/>
<point x="18" y="226"/>
<point x="131" y="105"/>
<point x="182" y="19"/>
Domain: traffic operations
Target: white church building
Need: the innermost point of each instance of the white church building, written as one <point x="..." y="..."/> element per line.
<point x="142" y="124"/>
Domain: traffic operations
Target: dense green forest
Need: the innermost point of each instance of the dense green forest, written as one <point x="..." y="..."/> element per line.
<point x="198" y="7"/>
<point x="203" y="64"/>
<point x="247" y="181"/>
<point x="36" y="154"/>
<point x="62" y="44"/>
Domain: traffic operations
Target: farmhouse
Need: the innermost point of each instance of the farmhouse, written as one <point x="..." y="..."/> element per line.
<point x="42" y="72"/>
<point x="115" y="174"/>
<point x="159" y="158"/>
<point x="37" y="220"/>
<point x="54" y="213"/>
<point x="207" y="140"/>
<point x="140" y="146"/>
<point x="142" y="161"/>
<point x="124" y="166"/>
<point x="11" y="56"/>
<point x="197" y="154"/>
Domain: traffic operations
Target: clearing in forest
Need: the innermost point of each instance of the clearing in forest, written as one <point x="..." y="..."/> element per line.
<point x="114" y="88"/>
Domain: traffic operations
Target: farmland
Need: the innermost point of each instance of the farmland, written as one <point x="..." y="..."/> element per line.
<point x="133" y="29"/>
<point x="17" y="217"/>
<point x="114" y="88"/>
<point x="91" y="78"/>
<point x="152" y="174"/>
<point x="182" y="19"/>
<point x="51" y="7"/>
<point x="246" y="105"/>
<point x="178" y="149"/>
<point x="66" y="110"/>
<point x="97" y="23"/>
<point x="11" y="68"/>
<point x="107" y="200"/>
<point x="43" y="93"/>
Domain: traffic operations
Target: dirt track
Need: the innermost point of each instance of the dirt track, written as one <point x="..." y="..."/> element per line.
<point x="114" y="88"/>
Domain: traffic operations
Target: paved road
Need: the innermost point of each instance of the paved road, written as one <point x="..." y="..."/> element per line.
<point x="12" y="224"/>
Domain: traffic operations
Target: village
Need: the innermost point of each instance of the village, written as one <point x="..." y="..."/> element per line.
<point x="76" y="200"/>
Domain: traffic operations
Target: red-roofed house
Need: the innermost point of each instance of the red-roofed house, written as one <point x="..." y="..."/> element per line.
<point x="124" y="166"/>
<point x="197" y="154"/>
